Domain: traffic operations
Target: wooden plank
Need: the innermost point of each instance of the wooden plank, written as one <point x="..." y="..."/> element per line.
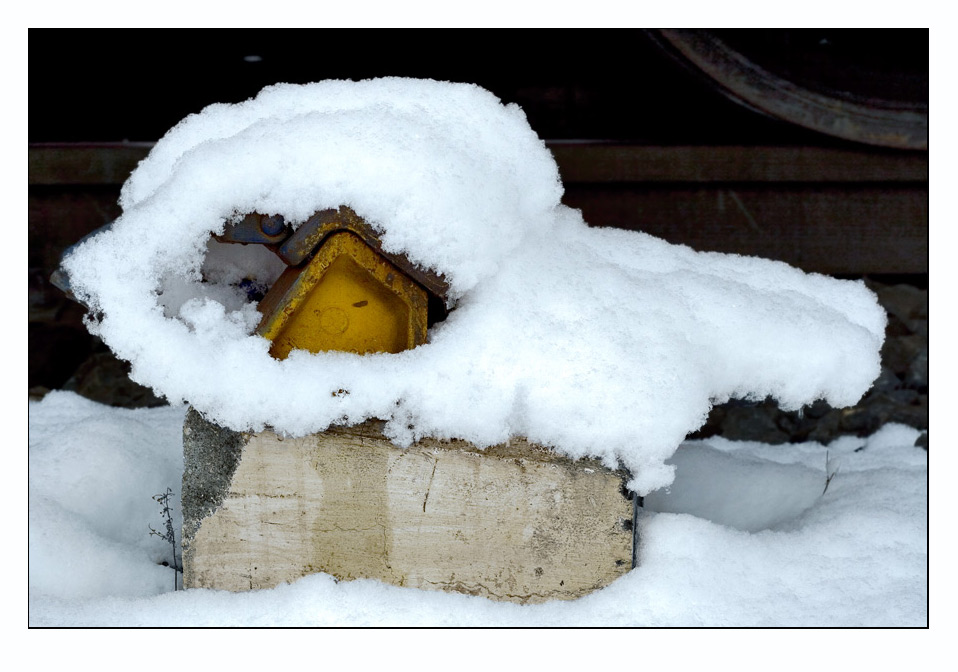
<point x="839" y="211"/>
<point x="69" y="164"/>
<point x="591" y="162"/>
<point x="579" y="162"/>
<point x="515" y="522"/>
<point x="827" y="229"/>
<point x="59" y="217"/>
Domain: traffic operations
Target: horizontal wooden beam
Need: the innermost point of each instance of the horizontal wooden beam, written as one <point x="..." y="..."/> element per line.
<point x="595" y="162"/>
<point x="837" y="211"/>
<point x="93" y="164"/>
<point x="833" y="229"/>
<point x="579" y="162"/>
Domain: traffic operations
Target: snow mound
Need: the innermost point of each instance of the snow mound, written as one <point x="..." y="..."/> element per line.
<point x="93" y="471"/>
<point x="596" y="342"/>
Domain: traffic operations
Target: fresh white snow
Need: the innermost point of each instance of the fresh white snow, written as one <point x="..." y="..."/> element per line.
<point x="596" y="342"/>
<point x="855" y="556"/>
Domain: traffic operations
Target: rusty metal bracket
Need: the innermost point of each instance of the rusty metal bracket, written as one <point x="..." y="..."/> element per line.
<point x="346" y="297"/>
<point x="303" y="243"/>
<point x="256" y="228"/>
<point x="341" y="290"/>
<point x="296" y="247"/>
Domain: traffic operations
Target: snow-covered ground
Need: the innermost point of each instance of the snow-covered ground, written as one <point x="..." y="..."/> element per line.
<point x="746" y="538"/>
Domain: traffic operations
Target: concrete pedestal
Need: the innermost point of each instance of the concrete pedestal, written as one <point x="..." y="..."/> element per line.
<point x="514" y="522"/>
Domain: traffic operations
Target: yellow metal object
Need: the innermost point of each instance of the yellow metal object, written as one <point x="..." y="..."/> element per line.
<point x="347" y="297"/>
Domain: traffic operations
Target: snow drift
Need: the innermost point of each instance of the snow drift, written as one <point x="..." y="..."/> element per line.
<point x="596" y="342"/>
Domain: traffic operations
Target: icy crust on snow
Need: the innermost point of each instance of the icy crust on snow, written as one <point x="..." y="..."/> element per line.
<point x="597" y="342"/>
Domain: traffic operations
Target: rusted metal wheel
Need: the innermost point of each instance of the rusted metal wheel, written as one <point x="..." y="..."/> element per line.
<point x="858" y="92"/>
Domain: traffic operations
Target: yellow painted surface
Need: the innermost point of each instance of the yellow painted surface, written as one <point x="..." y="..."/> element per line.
<point x="349" y="298"/>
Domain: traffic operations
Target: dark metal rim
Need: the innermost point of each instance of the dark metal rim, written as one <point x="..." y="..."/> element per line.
<point x="874" y="123"/>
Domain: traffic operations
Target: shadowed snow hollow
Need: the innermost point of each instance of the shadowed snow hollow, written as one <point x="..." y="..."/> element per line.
<point x="739" y="491"/>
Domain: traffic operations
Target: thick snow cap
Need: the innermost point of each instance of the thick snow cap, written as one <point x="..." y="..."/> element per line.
<point x="595" y="342"/>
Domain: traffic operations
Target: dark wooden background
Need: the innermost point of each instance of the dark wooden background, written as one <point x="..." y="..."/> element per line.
<point x="641" y="143"/>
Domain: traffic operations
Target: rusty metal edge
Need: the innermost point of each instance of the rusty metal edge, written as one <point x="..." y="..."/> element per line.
<point x="306" y="239"/>
<point x="748" y="83"/>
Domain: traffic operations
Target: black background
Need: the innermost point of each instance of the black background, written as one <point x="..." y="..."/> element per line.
<point x="135" y="84"/>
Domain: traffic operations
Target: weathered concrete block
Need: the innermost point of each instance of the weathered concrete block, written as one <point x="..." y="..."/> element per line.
<point x="514" y="522"/>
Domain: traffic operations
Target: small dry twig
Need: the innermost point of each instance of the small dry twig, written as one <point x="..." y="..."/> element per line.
<point x="828" y="475"/>
<point x="170" y="534"/>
